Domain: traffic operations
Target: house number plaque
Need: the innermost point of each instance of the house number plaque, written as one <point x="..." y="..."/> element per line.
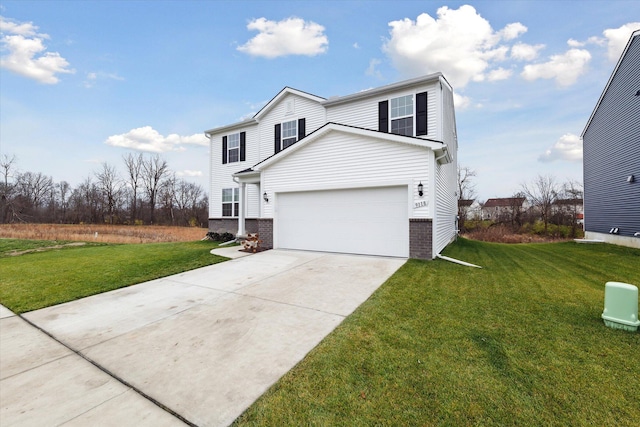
<point x="419" y="204"/>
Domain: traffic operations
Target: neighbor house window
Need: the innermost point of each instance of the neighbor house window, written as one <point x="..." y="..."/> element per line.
<point x="289" y="133"/>
<point x="230" y="201"/>
<point x="401" y="115"/>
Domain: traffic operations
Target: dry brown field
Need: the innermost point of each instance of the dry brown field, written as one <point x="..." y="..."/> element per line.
<point x="102" y="233"/>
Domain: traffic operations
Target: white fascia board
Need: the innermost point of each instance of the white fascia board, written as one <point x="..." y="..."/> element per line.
<point x="284" y="92"/>
<point x="233" y="126"/>
<point x="335" y="127"/>
<point x="405" y="84"/>
<point x="635" y="34"/>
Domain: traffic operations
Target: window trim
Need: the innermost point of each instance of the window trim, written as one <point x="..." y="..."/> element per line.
<point x="293" y="130"/>
<point x="236" y="149"/>
<point x="403" y="116"/>
<point x="234" y="202"/>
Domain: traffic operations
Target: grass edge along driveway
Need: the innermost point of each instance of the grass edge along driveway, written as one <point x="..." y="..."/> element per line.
<point x="36" y="280"/>
<point x="519" y="342"/>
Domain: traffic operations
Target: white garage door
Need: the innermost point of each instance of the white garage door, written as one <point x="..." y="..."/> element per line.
<point x="372" y="221"/>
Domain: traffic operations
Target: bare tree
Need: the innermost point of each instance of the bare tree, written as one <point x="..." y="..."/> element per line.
<point x="34" y="188"/>
<point x="134" y="172"/>
<point x="542" y="192"/>
<point x="6" y="191"/>
<point x="110" y="187"/>
<point x="64" y="193"/>
<point x="466" y="186"/>
<point x="154" y="170"/>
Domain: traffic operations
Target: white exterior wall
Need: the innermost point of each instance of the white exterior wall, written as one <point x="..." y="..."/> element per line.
<point x="343" y="160"/>
<point x="221" y="174"/>
<point x="364" y="113"/>
<point x="446" y="178"/>
<point x="311" y="111"/>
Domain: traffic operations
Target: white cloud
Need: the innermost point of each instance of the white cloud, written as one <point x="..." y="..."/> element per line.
<point x="498" y="74"/>
<point x="150" y="140"/>
<point x="291" y="36"/>
<point x="565" y="68"/>
<point x="460" y="43"/>
<point x="461" y="102"/>
<point x="188" y="172"/>
<point x="568" y="147"/>
<point x="372" y="69"/>
<point x="617" y="39"/>
<point x="525" y="52"/>
<point x="26" y="53"/>
<point x="93" y="77"/>
<point x="356" y="45"/>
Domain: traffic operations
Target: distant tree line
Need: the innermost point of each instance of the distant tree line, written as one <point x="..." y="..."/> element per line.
<point x="543" y="200"/>
<point x="147" y="193"/>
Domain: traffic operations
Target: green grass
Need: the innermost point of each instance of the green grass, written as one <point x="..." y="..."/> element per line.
<point x="519" y="342"/>
<point x="41" y="279"/>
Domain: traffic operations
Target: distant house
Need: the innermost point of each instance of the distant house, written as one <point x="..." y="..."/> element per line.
<point x="373" y="172"/>
<point x="469" y="209"/>
<point x="504" y="209"/>
<point x="569" y="208"/>
<point x="611" y="142"/>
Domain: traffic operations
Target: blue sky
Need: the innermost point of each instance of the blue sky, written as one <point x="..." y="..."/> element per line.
<point x="85" y="82"/>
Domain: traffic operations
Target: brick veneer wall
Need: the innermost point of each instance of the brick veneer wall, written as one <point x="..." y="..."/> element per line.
<point x="265" y="232"/>
<point x="230" y="225"/>
<point x="421" y="238"/>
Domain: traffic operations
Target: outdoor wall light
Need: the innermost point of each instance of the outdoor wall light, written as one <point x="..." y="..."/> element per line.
<point x="631" y="178"/>
<point x="265" y="196"/>
<point x="420" y="188"/>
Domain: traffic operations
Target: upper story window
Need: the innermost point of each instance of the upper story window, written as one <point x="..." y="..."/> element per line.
<point x="289" y="133"/>
<point x="234" y="147"/>
<point x="401" y="115"/>
<point x="230" y="201"/>
<point x="404" y="115"/>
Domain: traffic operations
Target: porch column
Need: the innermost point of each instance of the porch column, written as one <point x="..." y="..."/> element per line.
<point x="242" y="208"/>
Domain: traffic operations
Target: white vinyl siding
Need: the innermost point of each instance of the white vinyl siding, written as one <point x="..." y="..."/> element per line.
<point x="291" y="107"/>
<point x="446" y="179"/>
<point x="364" y="113"/>
<point x="221" y="174"/>
<point x="343" y="160"/>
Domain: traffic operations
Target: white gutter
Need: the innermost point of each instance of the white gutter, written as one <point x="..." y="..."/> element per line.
<point x="457" y="261"/>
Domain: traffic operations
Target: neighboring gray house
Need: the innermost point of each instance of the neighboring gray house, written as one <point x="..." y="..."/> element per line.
<point x="611" y="141"/>
<point x="373" y="172"/>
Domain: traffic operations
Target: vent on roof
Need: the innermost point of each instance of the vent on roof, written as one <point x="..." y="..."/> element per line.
<point x="621" y="306"/>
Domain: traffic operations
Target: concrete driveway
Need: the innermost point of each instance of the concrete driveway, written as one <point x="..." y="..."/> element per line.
<point x="196" y="348"/>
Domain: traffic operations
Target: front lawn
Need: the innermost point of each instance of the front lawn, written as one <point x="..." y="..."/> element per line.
<point x="35" y="280"/>
<point x="519" y="342"/>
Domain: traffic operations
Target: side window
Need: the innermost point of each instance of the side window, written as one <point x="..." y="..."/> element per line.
<point x="288" y="133"/>
<point x="401" y="115"/>
<point x="230" y="201"/>
<point x="234" y="147"/>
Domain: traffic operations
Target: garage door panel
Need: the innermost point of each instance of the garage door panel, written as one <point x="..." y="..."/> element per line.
<point x="362" y="221"/>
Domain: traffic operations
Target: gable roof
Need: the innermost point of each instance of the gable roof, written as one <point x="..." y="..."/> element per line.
<point x="465" y="202"/>
<point x="384" y="89"/>
<point x="635" y="34"/>
<point x="504" y="202"/>
<point x="438" y="147"/>
<point x="284" y="92"/>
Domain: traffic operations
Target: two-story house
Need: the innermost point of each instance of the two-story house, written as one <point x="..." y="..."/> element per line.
<point x="373" y="172"/>
<point x="611" y="158"/>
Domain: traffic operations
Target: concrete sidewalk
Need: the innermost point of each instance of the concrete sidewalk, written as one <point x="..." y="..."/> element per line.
<point x="204" y="344"/>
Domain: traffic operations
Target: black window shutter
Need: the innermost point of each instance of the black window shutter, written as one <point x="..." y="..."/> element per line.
<point x="301" y="129"/>
<point x="383" y="116"/>
<point x="224" y="150"/>
<point x="277" y="138"/>
<point x="243" y="146"/>
<point x="421" y="113"/>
